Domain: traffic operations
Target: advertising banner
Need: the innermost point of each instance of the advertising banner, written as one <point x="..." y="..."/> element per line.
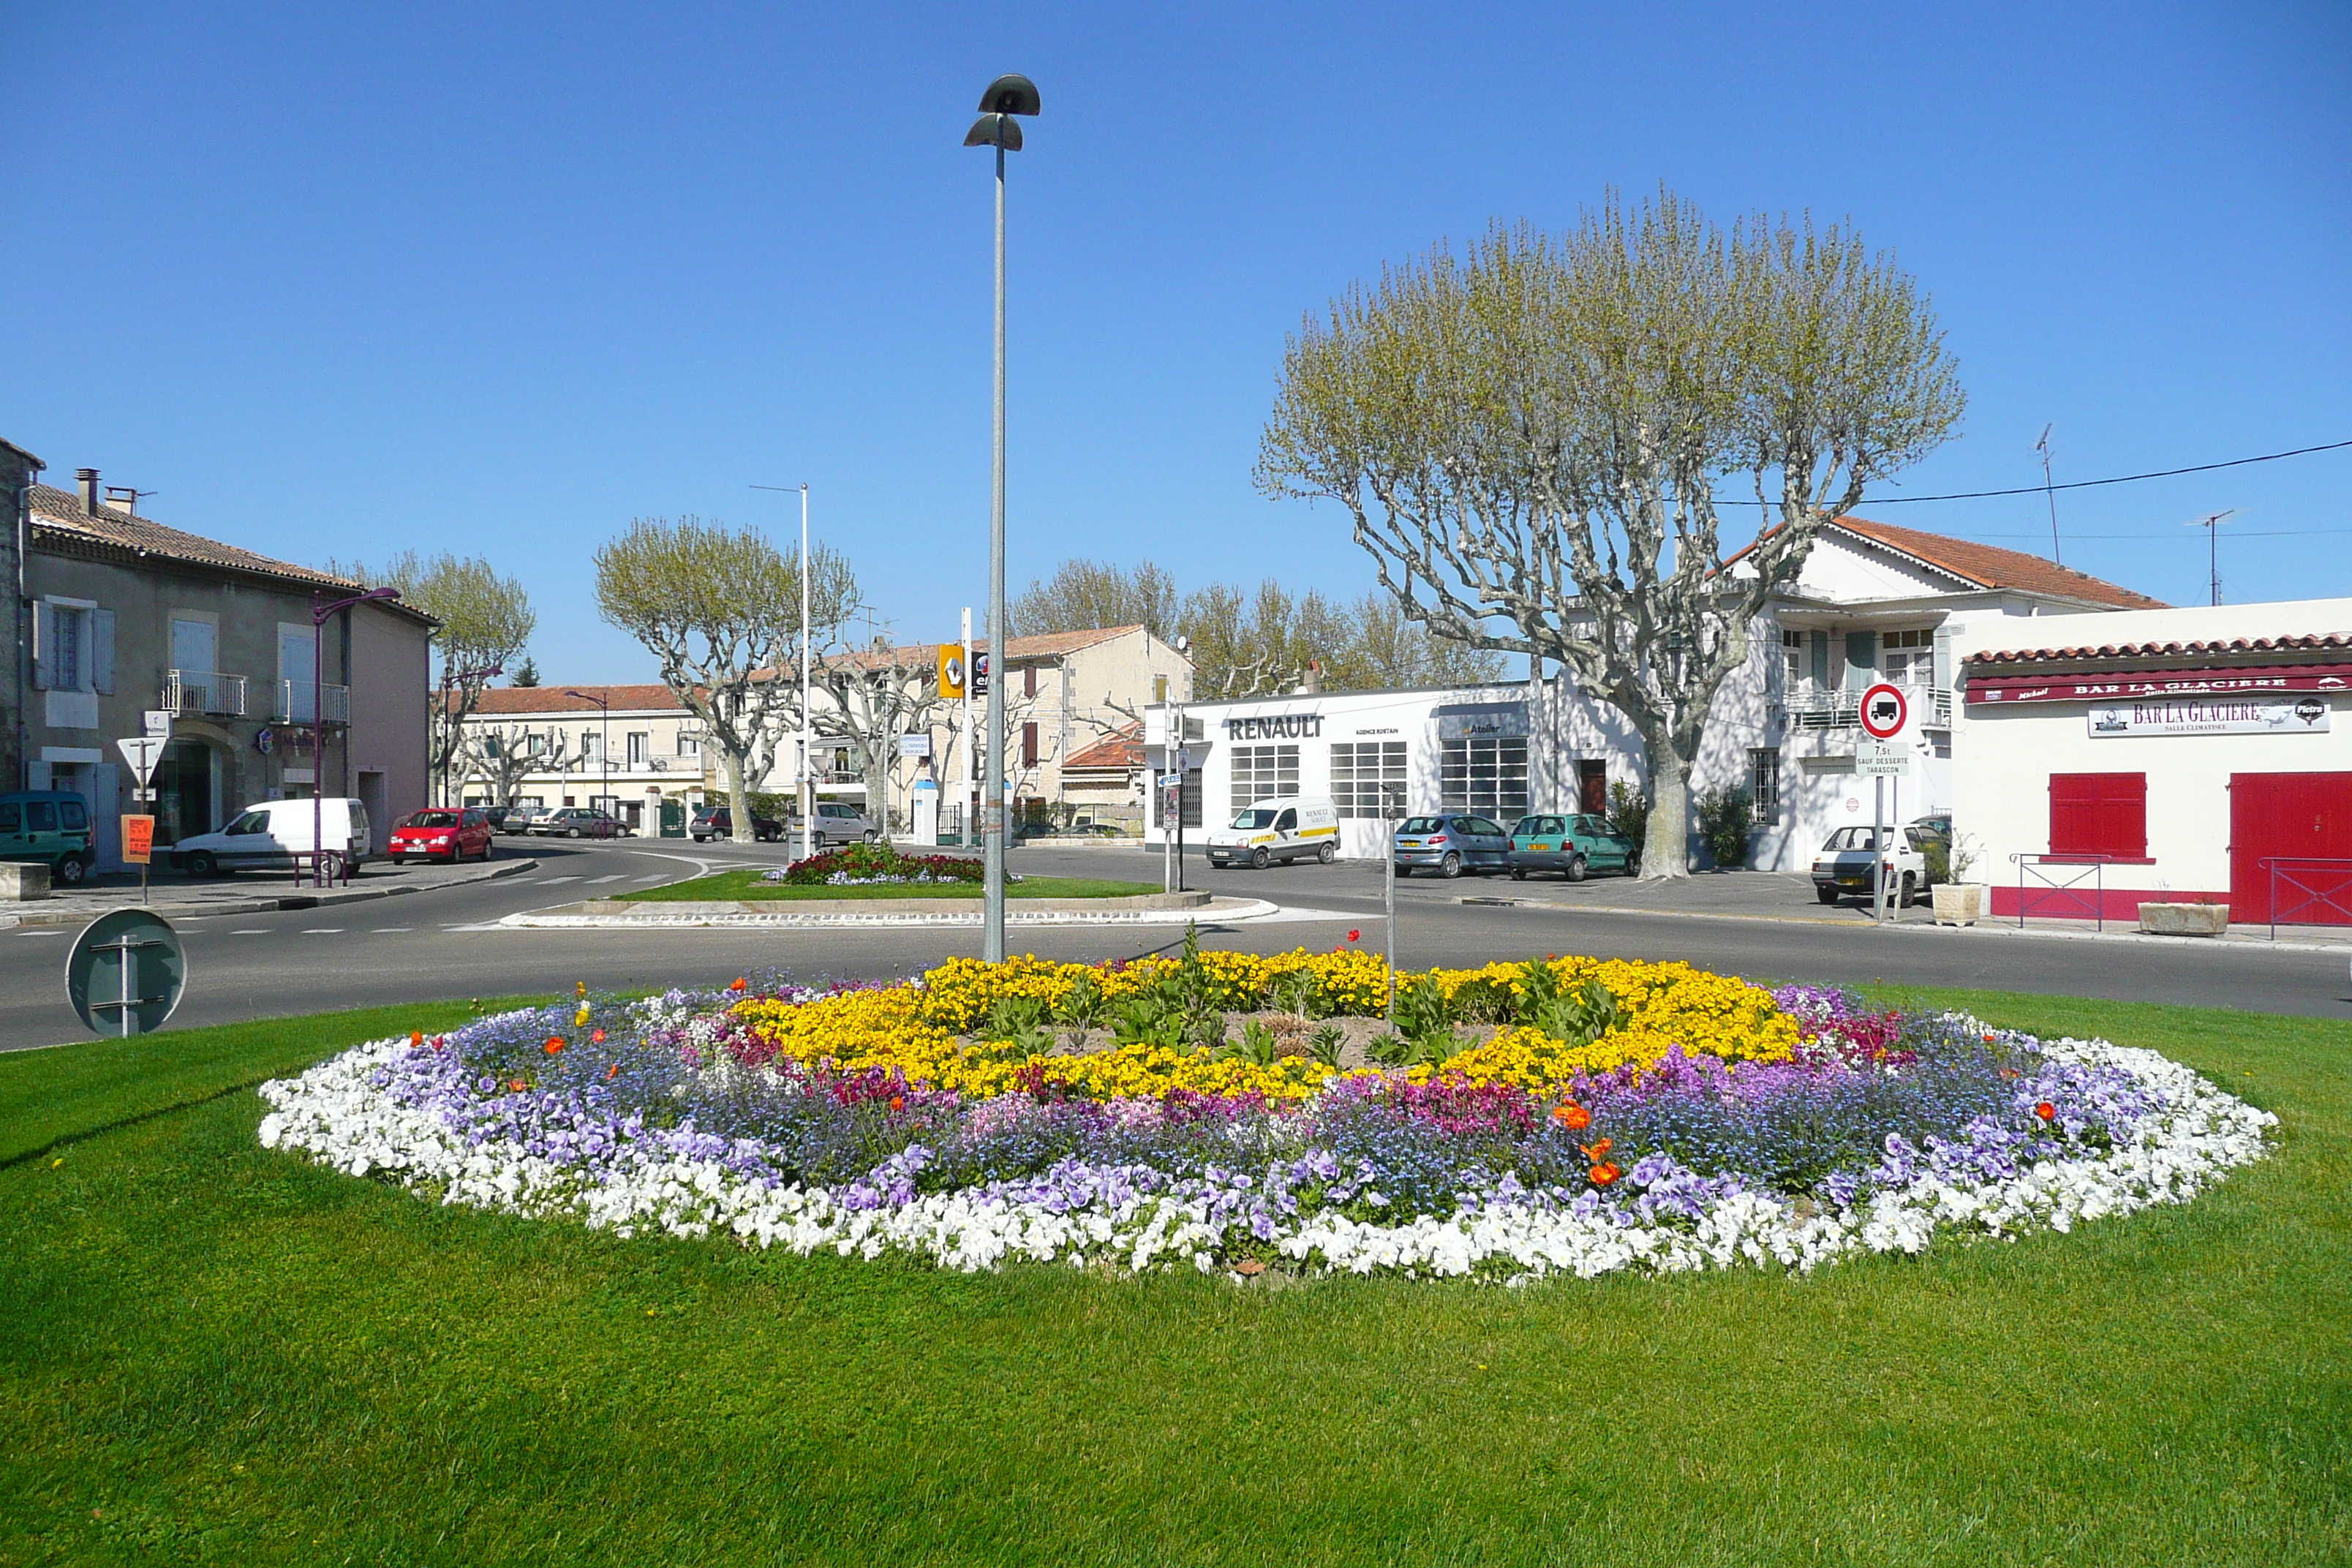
<point x="138" y="839"/>
<point x="2215" y="716"/>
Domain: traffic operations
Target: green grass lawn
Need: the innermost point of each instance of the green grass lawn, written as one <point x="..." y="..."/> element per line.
<point x="209" y="1351"/>
<point x="745" y="884"/>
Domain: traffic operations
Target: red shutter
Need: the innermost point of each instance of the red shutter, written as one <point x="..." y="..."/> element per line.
<point x="1028" y="745"/>
<point x="2099" y="813"/>
<point x="1029" y="682"/>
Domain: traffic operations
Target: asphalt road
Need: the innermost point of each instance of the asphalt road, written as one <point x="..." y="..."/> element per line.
<point x="444" y="945"/>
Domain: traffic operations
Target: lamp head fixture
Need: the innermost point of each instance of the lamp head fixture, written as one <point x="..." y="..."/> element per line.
<point x="1006" y="97"/>
<point x="1010" y="95"/>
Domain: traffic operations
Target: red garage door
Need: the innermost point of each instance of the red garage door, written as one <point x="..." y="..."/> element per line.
<point x="2297" y="821"/>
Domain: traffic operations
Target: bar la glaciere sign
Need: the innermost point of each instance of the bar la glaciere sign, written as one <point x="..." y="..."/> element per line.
<point x="2275" y="701"/>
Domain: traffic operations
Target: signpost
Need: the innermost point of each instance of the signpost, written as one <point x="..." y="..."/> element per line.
<point x="126" y="972"/>
<point x="142" y="752"/>
<point x="1886" y="714"/>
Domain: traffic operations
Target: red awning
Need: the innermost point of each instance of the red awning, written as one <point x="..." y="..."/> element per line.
<point x="2139" y="683"/>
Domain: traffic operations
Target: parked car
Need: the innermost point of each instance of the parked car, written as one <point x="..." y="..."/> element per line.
<point x="579" y="822"/>
<point x="1572" y="845"/>
<point x="271" y="833"/>
<point x="1451" y="844"/>
<point x="442" y="833"/>
<point x="719" y="822"/>
<point x="837" y="822"/>
<point x="518" y="819"/>
<point x="51" y="826"/>
<point x="495" y="815"/>
<point x="1286" y="828"/>
<point x="1846" y="860"/>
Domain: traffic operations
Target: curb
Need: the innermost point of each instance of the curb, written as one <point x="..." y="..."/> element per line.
<point x="1250" y="910"/>
<point x="1990" y="928"/>
<point x="255" y="906"/>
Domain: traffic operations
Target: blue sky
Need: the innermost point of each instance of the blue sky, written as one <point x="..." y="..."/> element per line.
<point x="337" y="281"/>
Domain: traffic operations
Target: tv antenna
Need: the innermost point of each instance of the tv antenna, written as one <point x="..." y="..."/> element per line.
<point x="2049" y="493"/>
<point x="2212" y="523"/>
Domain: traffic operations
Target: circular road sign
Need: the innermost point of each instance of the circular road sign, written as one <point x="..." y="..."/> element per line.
<point x="126" y="972"/>
<point x="1884" y="711"/>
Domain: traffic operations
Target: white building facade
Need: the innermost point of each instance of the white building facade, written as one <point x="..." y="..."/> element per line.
<point x="2182" y="755"/>
<point x="1874" y="603"/>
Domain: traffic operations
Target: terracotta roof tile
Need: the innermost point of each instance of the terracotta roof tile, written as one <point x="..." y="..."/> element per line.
<point x="1122" y="748"/>
<point x="60" y="512"/>
<point x="2318" y="642"/>
<point x="1990" y="566"/>
<point x="509" y="700"/>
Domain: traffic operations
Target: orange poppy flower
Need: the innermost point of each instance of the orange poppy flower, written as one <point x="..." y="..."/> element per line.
<point x="741" y="983"/>
<point x="415" y="1038"/>
<point x="2047" y="1111"/>
<point x="518" y="1085"/>
<point x="612" y="1072"/>
<point x="1603" y="1173"/>
<point x="1593" y="1152"/>
<point x="1575" y="1117"/>
<point x="554" y="1044"/>
<point x="898" y="1103"/>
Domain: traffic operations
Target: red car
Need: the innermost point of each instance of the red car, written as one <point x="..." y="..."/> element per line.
<point x="443" y="832"/>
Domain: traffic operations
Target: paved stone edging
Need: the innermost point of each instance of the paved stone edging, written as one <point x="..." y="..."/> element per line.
<point x="575" y="918"/>
<point x="83" y="915"/>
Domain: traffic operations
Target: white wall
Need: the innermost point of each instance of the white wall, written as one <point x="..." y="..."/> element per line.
<point x="2003" y="755"/>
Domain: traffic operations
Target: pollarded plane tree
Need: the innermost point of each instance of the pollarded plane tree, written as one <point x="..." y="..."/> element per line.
<point x="721" y="609"/>
<point x="1531" y="438"/>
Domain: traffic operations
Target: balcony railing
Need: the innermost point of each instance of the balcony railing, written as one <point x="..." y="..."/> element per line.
<point x="1812" y="707"/>
<point x="296" y="703"/>
<point x="203" y="691"/>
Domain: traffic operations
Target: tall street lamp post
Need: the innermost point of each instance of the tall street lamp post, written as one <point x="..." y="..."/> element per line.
<point x="1006" y="97"/>
<point x="319" y="618"/>
<point x="604" y="736"/>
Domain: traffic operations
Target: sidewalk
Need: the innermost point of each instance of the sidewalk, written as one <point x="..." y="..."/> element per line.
<point x="176" y="897"/>
<point x="1788" y="896"/>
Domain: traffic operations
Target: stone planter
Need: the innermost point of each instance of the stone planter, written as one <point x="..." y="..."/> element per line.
<point x="1960" y="903"/>
<point x="2184" y="920"/>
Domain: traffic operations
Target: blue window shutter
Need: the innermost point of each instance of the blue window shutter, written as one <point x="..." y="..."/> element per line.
<point x="44" y="644"/>
<point x="101" y="652"/>
<point x="1861" y="659"/>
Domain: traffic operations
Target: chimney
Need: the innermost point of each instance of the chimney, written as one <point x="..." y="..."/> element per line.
<point x="87" y="480"/>
<point x="122" y="499"/>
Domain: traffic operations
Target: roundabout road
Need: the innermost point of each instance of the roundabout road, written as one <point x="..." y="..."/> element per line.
<point x="445" y="944"/>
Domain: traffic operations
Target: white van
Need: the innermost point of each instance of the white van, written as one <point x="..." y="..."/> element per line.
<point x="1284" y="828"/>
<point x="270" y="833"/>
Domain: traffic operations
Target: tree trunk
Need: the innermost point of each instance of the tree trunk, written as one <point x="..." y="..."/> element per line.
<point x="739" y="801"/>
<point x="1666" y="841"/>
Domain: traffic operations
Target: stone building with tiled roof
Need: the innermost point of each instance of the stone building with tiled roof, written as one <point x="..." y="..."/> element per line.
<point x="126" y="622"/>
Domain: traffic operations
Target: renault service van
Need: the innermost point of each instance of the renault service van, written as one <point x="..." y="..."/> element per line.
<point x="1284" y="829"/>
<point x="268" y="834"/>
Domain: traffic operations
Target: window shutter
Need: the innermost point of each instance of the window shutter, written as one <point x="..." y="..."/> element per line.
<point x="1028" y="745"/>
<point x="2099" y="813"/>
<point x="101" y="652"/>
<point x="44" y="646"/>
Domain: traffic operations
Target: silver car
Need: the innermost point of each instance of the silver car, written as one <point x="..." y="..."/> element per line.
<point x="1452" y="844"/>
<point x="837" y="823"/>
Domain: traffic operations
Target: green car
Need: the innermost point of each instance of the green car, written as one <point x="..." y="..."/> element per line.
<point x="1572" y="845"/>
<point x="51" y="826"/>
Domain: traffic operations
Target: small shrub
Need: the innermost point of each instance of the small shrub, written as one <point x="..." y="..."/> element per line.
<point x="1628" y="814"/>
<point x="1725" y="817"/>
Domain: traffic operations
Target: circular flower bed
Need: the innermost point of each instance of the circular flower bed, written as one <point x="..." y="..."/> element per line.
<point x="1246" y="1112"/>
<point x="872" y="865"/>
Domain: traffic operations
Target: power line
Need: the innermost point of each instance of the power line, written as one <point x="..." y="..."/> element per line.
<point x="2161" y="539"/>
<point x="2118" y="480"/>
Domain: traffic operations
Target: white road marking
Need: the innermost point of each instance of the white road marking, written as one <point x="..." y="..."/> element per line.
<point x="613" y="877"/>
<point x="40" y="933"/>
<point x="322" y="930"/>
<point x="386" y="931"/>
<point x="655" y="877"/>
<point x="550" y="881"/>
<point x="492" y="925"/>
<point x="255" y="932"/>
